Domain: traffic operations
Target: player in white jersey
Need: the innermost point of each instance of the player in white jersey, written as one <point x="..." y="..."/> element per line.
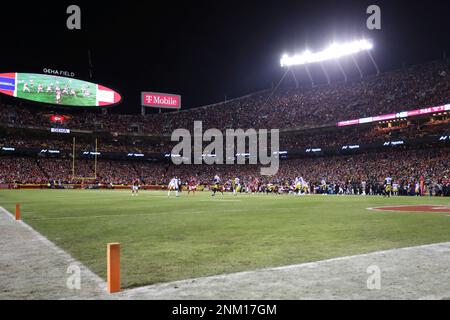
<point x="305" y="187"/>
<point x="323" y="186"/>
<point x="135" y="187"/>
<point x="216" y="186"/>
<point x="72" y="92"/>
<point x="25" y="87"/>
<point x="363" y="187"/>
<point x="417" y="188"/>
<point x="49" y="88"/>
<point x="40" y="88"/>
<point x="388" y="186"/>
<point x="236" y="185"/>
<point x="395" y="189"/>
<point x="58" y="96"/>
<point x="173" y="185"/>
<point x="299" y="182"/>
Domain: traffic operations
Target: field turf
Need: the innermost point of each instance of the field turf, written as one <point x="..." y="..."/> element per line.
<point x="177" y="238"/>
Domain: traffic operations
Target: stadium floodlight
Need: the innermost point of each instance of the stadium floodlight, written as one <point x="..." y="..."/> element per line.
<point x="334" y="51"/>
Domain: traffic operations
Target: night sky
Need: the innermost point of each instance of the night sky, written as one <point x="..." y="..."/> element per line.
<point x="206" y="50"/>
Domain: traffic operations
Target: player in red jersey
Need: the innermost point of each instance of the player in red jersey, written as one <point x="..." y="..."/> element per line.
<point x="192" y="186"/>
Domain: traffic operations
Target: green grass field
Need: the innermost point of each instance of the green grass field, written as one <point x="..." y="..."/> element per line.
<point x="170" y="239"/>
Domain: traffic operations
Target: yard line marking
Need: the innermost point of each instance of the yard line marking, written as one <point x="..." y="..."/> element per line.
<point x="104" y="216"/>
<point x="224" y="200"/>
<point x="122" y="215"/>
<point x="157" y="214"/>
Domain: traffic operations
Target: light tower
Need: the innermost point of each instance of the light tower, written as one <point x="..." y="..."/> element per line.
<point x="332" y="53"/>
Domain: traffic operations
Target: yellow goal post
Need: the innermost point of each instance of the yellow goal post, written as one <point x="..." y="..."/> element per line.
<point x="74" y="177"/>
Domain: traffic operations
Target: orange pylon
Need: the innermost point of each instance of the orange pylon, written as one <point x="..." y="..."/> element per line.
<point x="17" y="211"/>
<point x="113" y="267"/>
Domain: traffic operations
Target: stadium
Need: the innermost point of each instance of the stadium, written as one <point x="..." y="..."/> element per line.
<point x="91" y="192"/>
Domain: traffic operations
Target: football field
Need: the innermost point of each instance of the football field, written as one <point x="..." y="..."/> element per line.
<point x="165" y="239"/>
<point x="53" y="81"/>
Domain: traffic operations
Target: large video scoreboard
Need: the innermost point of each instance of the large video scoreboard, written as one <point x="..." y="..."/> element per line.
<point x="57" y="90"/>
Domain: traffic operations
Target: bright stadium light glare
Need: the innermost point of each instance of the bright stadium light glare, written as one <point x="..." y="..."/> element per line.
<point x="334" y="51"/>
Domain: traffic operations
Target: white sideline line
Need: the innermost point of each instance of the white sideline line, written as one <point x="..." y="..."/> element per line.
<point x="54" y="247"/>
<point x="126" y="215"/>
<point x="234" y="211"/>
<point x="112" y="216"/>
<point x="142" y="289"/>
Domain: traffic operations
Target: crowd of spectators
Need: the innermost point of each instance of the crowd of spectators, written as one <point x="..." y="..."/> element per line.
<point x="287" y="108"/>
<point x="406" y="167"/>
<point x="136" y="145"/>
<point x="24" y="170"/>
<point x="400" y="90"/>
<point x="292" y="141"/>
<point x="401" y="130"/>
